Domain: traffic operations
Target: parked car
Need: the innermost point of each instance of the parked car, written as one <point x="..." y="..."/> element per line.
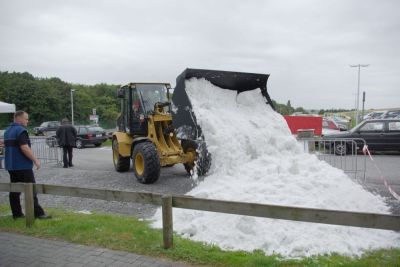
<point x="330" y="126"/>
<point x="90" y="135"/>
<point x="379" y="114"/>
<point x="342" y="123"/>
<point x="46" y="127"/>
<point x="390" y="114"/>
<point x="379" y="134"/>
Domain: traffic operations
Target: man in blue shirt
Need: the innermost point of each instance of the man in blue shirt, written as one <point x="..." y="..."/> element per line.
<point x="19" y="161"/>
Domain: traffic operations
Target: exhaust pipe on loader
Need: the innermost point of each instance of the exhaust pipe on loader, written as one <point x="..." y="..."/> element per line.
<point x="184" y="119"/>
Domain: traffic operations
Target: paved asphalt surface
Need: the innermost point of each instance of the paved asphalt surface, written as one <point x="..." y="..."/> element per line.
<point x="94" y="169"/>
<point x="389" y="166"/>
<point x="19" y="250"/>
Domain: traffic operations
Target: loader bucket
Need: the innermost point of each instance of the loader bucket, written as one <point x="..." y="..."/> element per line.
<point x="184" y="119"/>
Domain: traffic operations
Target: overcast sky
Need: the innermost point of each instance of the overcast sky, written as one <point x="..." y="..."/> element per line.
<point x="306" y="46"/>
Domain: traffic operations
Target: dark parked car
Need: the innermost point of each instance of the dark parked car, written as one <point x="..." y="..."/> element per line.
<point x="90" y="135"/>
<point x="379" y="134"/>
<point x="47" y="126"/>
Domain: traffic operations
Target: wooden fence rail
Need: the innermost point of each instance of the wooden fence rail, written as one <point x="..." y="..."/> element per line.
<point x="336" y="217"/>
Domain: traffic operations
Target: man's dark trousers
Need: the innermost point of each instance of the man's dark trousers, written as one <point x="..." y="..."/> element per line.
<point x="67" y="160"/>
<point x="23" y="176"/>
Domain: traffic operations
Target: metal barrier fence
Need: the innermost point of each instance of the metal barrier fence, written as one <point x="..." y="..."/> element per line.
<point x="46" y="149"/>
<point x="343" y="153"/>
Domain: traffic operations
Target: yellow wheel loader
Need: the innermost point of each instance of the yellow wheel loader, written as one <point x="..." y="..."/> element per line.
<point x="152" y="134"/>
<point x="146" y="136"/>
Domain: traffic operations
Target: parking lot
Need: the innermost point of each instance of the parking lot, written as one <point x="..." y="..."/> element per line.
<point x="94" y="169"/>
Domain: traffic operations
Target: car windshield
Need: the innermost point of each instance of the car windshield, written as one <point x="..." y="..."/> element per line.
<point x="96" y="129"/>
<point x="357" y="127"/>
<point x="151" y="94"/>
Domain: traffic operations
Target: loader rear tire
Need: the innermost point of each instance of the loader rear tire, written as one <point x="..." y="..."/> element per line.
<point x="146" y="163"/>
<point x="203" y="157"/>
<point x="121" y="164"/>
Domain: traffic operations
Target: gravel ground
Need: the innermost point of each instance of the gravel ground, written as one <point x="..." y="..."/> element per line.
<point x="94" y="169"/>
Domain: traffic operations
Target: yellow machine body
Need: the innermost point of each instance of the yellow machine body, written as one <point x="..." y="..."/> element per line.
<point x="169" y="149"/>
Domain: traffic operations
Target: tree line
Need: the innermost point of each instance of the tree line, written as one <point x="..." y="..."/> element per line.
<point x="47" y="99"/>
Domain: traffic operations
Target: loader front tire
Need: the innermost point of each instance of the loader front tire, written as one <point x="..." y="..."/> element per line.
<point x="121" y="164"/>
<point x="146" y="163"/>
<point x="202" y="162"/>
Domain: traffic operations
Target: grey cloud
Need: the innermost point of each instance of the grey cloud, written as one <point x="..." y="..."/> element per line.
<point x="306" y="46"/>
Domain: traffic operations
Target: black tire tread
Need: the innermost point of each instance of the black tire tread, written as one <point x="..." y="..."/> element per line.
<point x="341" y="153"/>
<point x="81" y="146"/>
<point x="203" y="159"/>
<point x="151" y="162"/>
<point x="123" y="163"/>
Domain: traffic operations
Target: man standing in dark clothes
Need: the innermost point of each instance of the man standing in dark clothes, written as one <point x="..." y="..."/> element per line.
<point x="19" y="161"/>
<point x="66" y="137"/>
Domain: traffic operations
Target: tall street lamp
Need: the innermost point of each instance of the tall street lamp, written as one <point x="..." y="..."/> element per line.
<point x="358" y="87"/>
<point x="72" y="106"/>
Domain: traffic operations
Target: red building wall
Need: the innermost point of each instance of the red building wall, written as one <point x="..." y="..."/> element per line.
<point x="304" y="122"/>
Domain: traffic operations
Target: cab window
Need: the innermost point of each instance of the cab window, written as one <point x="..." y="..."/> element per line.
<point x="150" y="94"/>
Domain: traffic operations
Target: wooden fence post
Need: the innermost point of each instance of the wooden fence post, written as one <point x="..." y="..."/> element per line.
<point x="29" y="212"/>
<point x="167" y="221"/>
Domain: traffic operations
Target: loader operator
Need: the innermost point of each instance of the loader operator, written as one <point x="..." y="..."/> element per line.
<point x="136" y="103"/>
<point x="146" y="96"/>
<point x="147" y="99"/>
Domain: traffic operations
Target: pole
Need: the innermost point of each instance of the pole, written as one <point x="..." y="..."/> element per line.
<point x="166" y="202"/>
<point x="358" y="94"/>
<point x="29" y="209"/>
<point x="72" y="106"/>
<point x="362" y="113"/>
<point x="358" y="88"/>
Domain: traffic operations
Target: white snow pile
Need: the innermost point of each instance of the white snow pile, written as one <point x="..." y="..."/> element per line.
<point x="256" y="159"/>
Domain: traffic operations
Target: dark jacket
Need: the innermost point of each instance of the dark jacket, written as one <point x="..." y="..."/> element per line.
<point x="66" y="135"/>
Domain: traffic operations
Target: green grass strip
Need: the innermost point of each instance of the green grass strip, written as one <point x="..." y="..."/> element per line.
<point x="126" y="233"/>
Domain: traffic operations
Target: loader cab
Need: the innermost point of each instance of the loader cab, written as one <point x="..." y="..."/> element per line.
<point x="138" y="101"/>
<point x="148" y="95"/>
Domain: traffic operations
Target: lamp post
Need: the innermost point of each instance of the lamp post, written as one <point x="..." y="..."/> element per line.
<point x="72" y="106"/>
<point x="358" y="87"/>
<point x="362" y="113"/>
